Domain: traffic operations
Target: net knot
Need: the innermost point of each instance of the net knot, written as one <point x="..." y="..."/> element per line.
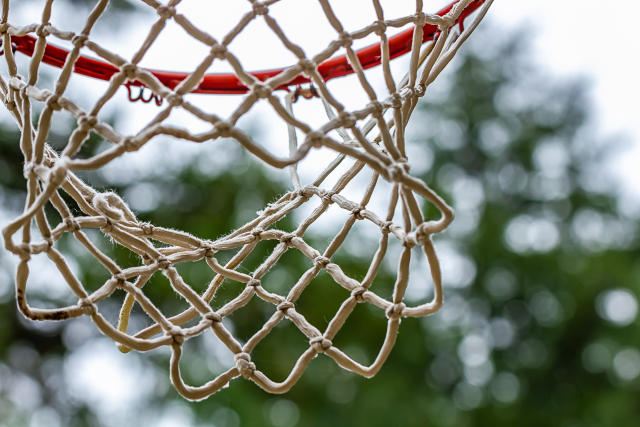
<point x="218" y="51"/>
<point x="129" y="144"/>
<point x="398" y="170"/>
<point x="419" y="90"/>
<point x="396" y="100"/>
<point x="209" y="249"/>
<point x="72" y="224"/>
<point x="42" y="30"/>
<point x="177" y="334"/>
<point x="174" y="99"/>
<point x="321" y="261"/>
<point x="307" y="66"/>
<point x="286" y="238"/>
<point x="305" y="192"/>
<point x="166" y="12"/>
<point x="79" y="40"/>
<point x="345" y="39"/>
<point x="327" y="197"/>
<point x="395" y="311"/>
<point x="85" y="122"/>
<point x="253" y="283"/>
<point x="129" y="70"/>
<point x="59" y="172"/>
<point x="87" y="306"/>
<point x="120" y="279"/>
<point x="377" y="108"/>
<point x="386" y="228"/>
<point x="347" y="120"/>
<point x="357" y="212"/>
<point x="104" y="204"/>
<point x="320" y="344"/>
<point x="107" y="228"/>
<point x="423" y="233"/>
<point x="284" y="306"/>
<point x="257" y="232"/>
<point x="163" y="263"/>
<point x="24" y="251"/>
<point x="261" y="90"/>
<point x="223" y="128"/>
<point x="8" y="101"/>
<point x="212" y="317"/>
<point x="244" y="364"/>
<point x="358" y="293"/>
<point x="260" y="9"/>
<point x="28" y="170"/>
<point x="410" y="240"/>
<point x="381" y="28"/>
<point x="314" y="138"/>
<point x="147" y="228"/>
<point x="53" y="102"/>
<point x="4" y="27"/>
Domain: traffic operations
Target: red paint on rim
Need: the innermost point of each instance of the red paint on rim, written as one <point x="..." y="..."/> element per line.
<point x="218" y="83"/>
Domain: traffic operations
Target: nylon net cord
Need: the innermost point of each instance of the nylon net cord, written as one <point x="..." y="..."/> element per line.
<point x="372" y="138"/>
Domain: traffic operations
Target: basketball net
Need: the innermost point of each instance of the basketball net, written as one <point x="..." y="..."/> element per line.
<point x="370" y="139"/>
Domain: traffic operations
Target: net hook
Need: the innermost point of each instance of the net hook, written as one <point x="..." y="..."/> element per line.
<point x="141" y="95"/>
<point x="305" y="92"/>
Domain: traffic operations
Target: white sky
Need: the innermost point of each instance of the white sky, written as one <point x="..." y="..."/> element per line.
<point x="597" y="40"/>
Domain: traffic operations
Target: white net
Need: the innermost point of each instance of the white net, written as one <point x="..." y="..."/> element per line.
<point x="366" y="140"/>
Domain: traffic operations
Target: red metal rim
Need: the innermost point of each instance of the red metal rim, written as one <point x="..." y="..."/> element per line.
<point x="219" y="83"/>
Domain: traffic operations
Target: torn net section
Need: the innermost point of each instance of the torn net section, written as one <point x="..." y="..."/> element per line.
<point x="371" y="138"/>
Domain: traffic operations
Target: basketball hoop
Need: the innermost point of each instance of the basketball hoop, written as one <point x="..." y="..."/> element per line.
<point x="370" y="138"/>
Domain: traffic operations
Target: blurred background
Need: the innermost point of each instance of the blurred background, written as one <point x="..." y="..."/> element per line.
<point x="529" y="134"/>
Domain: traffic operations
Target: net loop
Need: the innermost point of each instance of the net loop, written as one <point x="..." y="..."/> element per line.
<point x="245" y="366"/>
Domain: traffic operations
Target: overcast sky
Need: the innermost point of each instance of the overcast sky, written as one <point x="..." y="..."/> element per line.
<point x="597" y="40"/>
